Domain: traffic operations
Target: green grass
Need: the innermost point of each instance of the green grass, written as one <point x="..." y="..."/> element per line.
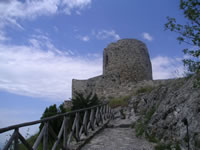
<point x="151" y="137"/>
<point x="146" y="89"/>
<point x="116" y="102"/>
<point x="31" y="141"/>
<point x="162" y="146"/>
<point x="141" y="125"/>
<point x="149" y="114"/>
<point x="140" y="128"/>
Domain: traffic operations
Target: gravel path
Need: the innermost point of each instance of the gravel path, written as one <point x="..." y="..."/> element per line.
<point x="117" y="139"/>
<point x="119" y="136"/>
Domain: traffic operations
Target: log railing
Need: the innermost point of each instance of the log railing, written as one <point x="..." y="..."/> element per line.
<point x="75" y="124"/>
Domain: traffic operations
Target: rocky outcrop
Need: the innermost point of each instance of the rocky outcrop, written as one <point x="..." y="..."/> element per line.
<point x="125" y="62"/>
<point x="164" y="110"/>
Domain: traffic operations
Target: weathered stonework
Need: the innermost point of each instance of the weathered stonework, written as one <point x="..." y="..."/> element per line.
<point x="128" y="60"/>
<point x="67" y="104"/>
<point x="124" y="62"/>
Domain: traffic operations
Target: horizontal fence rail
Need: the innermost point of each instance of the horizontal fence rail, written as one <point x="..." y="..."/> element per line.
<point x="75" y="125"/>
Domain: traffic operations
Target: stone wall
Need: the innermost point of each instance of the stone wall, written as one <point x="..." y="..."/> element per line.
<point x="125" y="63"/>
<point x="67" y="104"/>
<point x="107" y="87"/>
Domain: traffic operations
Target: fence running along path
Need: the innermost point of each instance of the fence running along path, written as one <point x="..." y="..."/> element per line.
<point x="84" y="120"/>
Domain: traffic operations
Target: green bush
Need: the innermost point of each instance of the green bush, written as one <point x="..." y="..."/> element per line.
<point x="146" y="89"/>
<point x="80" y="101"/>
<point x="116" y="102"/>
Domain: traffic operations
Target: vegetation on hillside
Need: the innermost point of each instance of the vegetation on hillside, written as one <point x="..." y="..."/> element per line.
<point x="51" y="111"/>
<point x="80" y="101"/>
<point x="121" y="101"/>
<point x="189" y="33"/>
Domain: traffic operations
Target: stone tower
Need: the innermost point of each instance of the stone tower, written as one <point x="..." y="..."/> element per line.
<point x="127" y="59"/>
<point x="125" y="63"/>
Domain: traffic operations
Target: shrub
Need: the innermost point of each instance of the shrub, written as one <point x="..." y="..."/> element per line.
<point x="139" y="128"/>
<point x="146" y="89"/>
<point x="151" y="137"/>
<point x="149" y="114"/>
<point x="80" y="101"/>
<point x="170" y="146"/>
<point x="141" y="125"/>
<point x="162" y="146"/>
<point x="116" y="102"/>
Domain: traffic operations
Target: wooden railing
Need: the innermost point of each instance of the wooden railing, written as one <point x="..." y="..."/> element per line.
<point x="75" y="124"/>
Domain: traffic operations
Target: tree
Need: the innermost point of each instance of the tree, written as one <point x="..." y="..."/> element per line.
<point x="56" y="123"/>
<point x="189" y="33"/>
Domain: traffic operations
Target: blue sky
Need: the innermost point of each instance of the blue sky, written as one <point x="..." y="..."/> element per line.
<point x="46" y="43"/>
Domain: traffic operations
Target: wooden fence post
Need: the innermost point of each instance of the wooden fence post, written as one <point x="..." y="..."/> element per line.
<point x="45" y="137"/>
<point x="96" y="121"/>
<point x="66" y="125"/>
<point x="16" y="140"/>
<point x="85" y="119"/>
<point x="77" y="126"/>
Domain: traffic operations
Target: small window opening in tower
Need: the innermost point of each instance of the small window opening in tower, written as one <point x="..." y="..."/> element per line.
<point x="106" y="63"/>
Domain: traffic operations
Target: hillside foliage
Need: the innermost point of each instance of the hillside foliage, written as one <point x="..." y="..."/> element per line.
<point x="189" y="33"/>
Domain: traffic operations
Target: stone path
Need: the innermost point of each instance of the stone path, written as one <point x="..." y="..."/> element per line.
<point x="119" y="136"/>
<point x="117" y="139"/>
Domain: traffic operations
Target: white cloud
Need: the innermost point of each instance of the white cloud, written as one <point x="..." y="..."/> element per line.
<point x="13" y="10"/>
<point x="147" y="36"/>
<point x="165" y="67"/>
<point x="84" y="38"/>
<point x="41" y="70"/>
<point x="72" y="4"/>
<point x="105" y="34"/>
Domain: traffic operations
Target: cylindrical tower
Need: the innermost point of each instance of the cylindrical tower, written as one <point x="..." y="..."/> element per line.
<point x="128" y="60"/>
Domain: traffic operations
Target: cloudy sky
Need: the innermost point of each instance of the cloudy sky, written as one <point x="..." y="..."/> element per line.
<point x="44" y="44"/>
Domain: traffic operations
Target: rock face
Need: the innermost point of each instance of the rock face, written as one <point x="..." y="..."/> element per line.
<point x="124" y="62"/>
<point x="163" y="109"/>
